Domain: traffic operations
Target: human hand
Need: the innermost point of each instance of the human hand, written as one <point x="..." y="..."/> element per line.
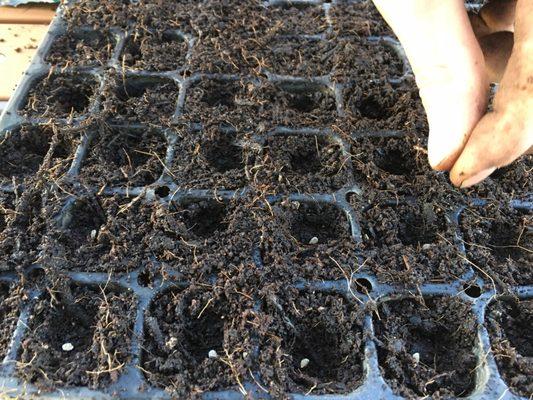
<point x="453" y="77"/>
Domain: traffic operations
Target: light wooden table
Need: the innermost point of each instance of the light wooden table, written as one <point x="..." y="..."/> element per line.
<point x="21" y="31"/>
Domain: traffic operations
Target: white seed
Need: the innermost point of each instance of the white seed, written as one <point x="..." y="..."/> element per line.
<point x="416" y="358"/>
<point x="304" y="363"/>
<point x="314" y="240"/>
<point x="245" y="354"/>
<point x="426" y="246"/>
<point x="67" y="347"/>
<point x="212" y="354"/>
<point x="93" y="234"/>
<point x="172" y="342"/>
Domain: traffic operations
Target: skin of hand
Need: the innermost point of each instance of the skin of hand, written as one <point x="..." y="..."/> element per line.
<point x="450" y="69"/>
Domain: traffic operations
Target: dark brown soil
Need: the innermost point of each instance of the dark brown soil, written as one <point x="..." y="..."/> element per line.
<point x="322" y="328"/>
<point x="442" y="331"/>
<point x="296" y="19"/>
<point x="499" y="241"/>
<point x="212" y="158"/>
<point x="155" y="51"/>
<point x="119" y="155"/>
<point x="138" y="99"/>
<point x="306" y="241"/>
<point x="83" y="48"/>
<point x="61" y="95"/>
<point x="96" y="321"/>
<point x="301" y="163"/>
<point x="509" y="323"/>
<point x="29" y="148"/>
<point x="359" y="18"/>
<point x="10" y="303"/>
<point x="183" y="327"/>
<point x="410" y="243"/>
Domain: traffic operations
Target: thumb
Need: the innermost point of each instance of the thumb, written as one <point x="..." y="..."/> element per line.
<point x="449" y="68"/>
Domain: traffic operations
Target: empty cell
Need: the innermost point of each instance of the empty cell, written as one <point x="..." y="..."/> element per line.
<point x="314" y="343"/>
<point x="61" y="96"/>
<point x="501" y="239"/>
<point x="509" y="324"/>
<point x="191" y="336"/>
<point x="287" y="18"/>
<point x="204" y="218"/>
<point x="141" y="99"/>
<point x="121" y="155"/>
<point x="312" y="163"/>
<point x="155" y="51"/>
<point x="86" y="332"/>
<point x="318" y="222"/>
<point x="426" y="346"/>
<point x="85" y="47"/>
<point x="299" y="56"/>
<point x="10" y="303"/>
<point x="22" y="151"/>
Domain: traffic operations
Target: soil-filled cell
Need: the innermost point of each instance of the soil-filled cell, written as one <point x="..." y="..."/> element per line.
<point x="306" y="240"/>
<point x="196" y="340"/>
<point x="426" y="346"/>
<point x="125" y="156"/>
<point x="306" y="163"/>
<point x="358" y="18"/>
<point x="155" y="51"/>
<point x="77" y="336"/>
<point x="410" y="243"/>
<point x="61" y="96"/>
<point x="298" y="56"/>
<point x="509" y="323"/>
<point x="22" y="152"/>
<point x="214" y="158"/>
<point x="211" y="100"/>
<point x="106" y="234"/>
<point x="83" y="48"/>
<point x="7" y="209"/>
<point x="296" y="19"/>
<point x="314" y="344"/>
<point x="10" y="303"/>
<point x="142" y="99"/>
<point x="298" y="103"/>
<point x="500" y="240"/>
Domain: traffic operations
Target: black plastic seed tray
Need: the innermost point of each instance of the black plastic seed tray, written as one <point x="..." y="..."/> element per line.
<point x="361" y="289"/>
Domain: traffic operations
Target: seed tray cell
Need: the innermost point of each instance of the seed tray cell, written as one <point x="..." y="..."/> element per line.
<point x="208" y="239"/>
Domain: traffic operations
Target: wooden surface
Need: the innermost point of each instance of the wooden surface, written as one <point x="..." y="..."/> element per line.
<point x="19" y="41"/>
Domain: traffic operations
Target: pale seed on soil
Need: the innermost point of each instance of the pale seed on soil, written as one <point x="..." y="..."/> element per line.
<point x="212" y="354"/>
<point x="67" y="347"/>
<point x="416" y="358"/>
<point x="304" y="363"/>
<point x="314" y="240"/>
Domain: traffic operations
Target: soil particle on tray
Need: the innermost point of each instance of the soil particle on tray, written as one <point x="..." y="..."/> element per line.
<point x="96" y="321"/>
<point x="81" y="48"/>
<point x="411" y="243"/>
<point x="323" y="329"/>
<point x="122" y="155"/>
<point x="155" y="51"/>
<point x="61" y="95"/>
<point x="137" y="99"/>
<point x="426" y="346"/>
<point x="302" y="163"/>
<point x="499" y="241"/>
<point x="29" y="148"/>
<point x="357" y="18"/>
<point x="10" y="304"/>
<point x="509" y="323"/>
<point x="213" y="158"/>
<point x="306" y="240"/>
<point x="198" y="339"/>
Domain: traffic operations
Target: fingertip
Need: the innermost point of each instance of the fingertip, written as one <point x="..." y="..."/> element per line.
<point x="462" y="180"/>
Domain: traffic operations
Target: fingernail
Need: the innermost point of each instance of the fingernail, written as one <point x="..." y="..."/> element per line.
<point x="476" y="178"/>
